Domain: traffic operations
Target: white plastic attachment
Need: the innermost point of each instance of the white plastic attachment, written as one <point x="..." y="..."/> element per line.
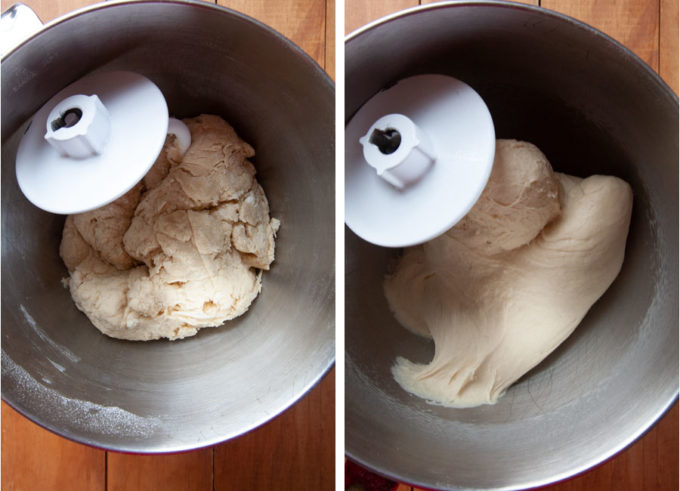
<point x="17" y="24"/>
<point x="398" y="150"/>
<point x="78" y="127"/>
<point x="436" y="172"/>
<point x="181" y="132"/>
<point x="91" y="160"/>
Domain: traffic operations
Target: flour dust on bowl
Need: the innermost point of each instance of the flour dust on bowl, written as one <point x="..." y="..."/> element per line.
<point x="592" y="107"/>
<point x="162" y="396"/>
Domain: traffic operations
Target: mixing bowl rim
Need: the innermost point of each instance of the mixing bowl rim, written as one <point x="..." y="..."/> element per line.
<point x="518" y="6"/>
<point x="529" y="484"/>
<point x="195" y="3"/>
<point x="667" y="91"/>
<point x="166" y="448"/>
<point x="317" y="72"/>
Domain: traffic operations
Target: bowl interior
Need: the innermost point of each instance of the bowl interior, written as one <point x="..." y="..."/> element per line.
<point x="593" y="108"/>
<point x="165" y="396"/>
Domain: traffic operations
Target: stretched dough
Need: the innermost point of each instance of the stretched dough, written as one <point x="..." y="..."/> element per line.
<point x="505" y="286"/>
<point x="180" y="251"/>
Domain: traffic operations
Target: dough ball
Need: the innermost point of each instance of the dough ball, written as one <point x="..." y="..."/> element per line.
<point x="501" y="291"/>
<point x="182" y="250"/>
<point x="520" y="198"/>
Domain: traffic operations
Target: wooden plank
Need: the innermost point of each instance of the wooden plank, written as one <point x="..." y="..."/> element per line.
<point x="292" y="452"/>
<point x="668" y="43"/>
<point x="649" y="464"/>
<point x="33" y="458"/>
<point x="360" y="12"/>
<point x="301" y="21"/>
<point x="50" y="9"/>
<point x="635" y="23"/>
<point x="663" y="453"/>
<point x="190" y="471"/>
<point x="329" y="55"/>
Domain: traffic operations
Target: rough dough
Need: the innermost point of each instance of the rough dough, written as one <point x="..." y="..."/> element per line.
<point x="505" y="286"/>
<point x="180" y="251"/>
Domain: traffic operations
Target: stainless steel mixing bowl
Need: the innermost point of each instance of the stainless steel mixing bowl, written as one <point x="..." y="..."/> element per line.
<point x="57" y="369"/>
<point x="592" y="107"/>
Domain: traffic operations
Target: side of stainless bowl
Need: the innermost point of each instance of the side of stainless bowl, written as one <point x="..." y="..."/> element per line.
<point x="167" y="396"/>
<point x="593" y="108"/>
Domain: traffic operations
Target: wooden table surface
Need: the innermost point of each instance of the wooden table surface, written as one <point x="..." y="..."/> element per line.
<point x="295" y="451"/>
<point x="650" y="29"/>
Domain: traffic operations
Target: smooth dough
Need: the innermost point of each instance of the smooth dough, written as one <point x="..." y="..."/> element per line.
<point x="510" y="282"/>
<point x="180" y="251"/>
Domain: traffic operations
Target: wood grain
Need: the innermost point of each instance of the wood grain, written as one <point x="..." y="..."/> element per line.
<point x="360" y="12"/>
<point x="330" y="34"/>
<point x="649" y="464"/>
<point x="301" y="21"/>
<point x="301" y="441"/>
<point x="668" y="37"/>
<point x="35" y="459"/>
<point x="49" y="10"/>
<point x="190" y="471"/>
<point x="293" y="452"/>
